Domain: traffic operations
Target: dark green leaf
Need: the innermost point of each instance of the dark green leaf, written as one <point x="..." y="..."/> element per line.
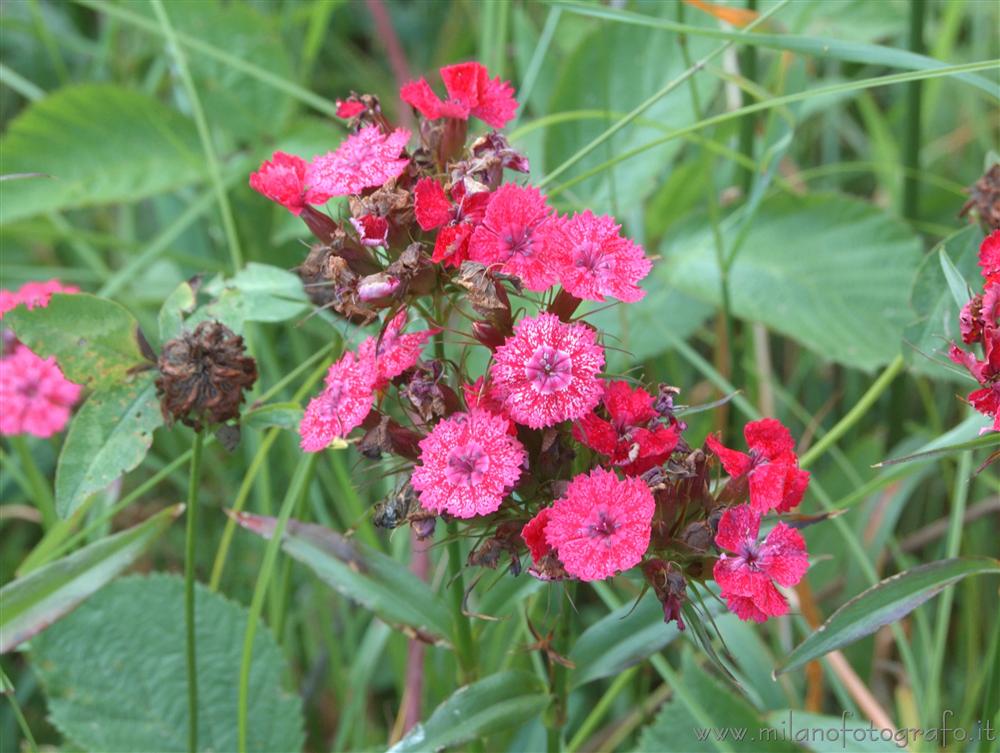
<point x="94" y="340"/>
<point x="34" y="602"/>
<point x="499" y="702"/>
<point x="101" y="144"/>
<point x="109" y="436"/>
<point x="885" y="603"/>
<point x="115" y="675"/>
<point x="368" y="577"/>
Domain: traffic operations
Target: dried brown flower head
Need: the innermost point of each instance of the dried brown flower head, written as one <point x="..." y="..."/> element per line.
<point x="984" y="198"/>
<point x="203" y="375"/>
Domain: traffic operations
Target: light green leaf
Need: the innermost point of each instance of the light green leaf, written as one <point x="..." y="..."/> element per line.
<point x="101" y="144"/>
<point x="284" y="415"/>
<point x="828" y="271"/>
<point x="885" y="603"/>
<point x="500" y="702"/>
<point x="179" y="303"/>
<point x="257" y="293"/>
<point x="830" y="734"/>
<point x="109" y="436"/>
<point x="373" y="580"/>
<point x="95" y="341"/>
<point x="34" y="602"/>
<point x="115" y="675"/>
<point x="956" y="284"/>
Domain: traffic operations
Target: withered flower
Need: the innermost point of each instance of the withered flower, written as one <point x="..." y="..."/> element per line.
<point x="984" y="198"/>
<point x="203" y="375"/>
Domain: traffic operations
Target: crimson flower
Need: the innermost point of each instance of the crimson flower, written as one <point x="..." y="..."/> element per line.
<point x="372" y="230"/>
<point x="393" y="352"/>
<point x="468" y="464"/>
<point x="602" y="525"/>
<point x="282" y="179"/>
<point x="597" y="261"/>
<point x="747" y="574"/>
<point x="546" y="372"/>
<point x="533" y="534"/>
<point x="366" y="159"/>
<point x="633" y="436"/>
<point x="989" y="257"/>
<point x="457" y="217"/>
<point x="776" y="481"/>
<point x="470" y="92"/>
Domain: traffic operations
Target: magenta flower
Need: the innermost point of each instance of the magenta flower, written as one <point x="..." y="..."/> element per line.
<point x="366" y="159"/>
<point x="470" y="92"/>
<point x="546" y="372"/>
<point x="457" y="217"/>
<point x="521" y="235"/>
<point x="602" y="525"/>
<point x="599" y="262"/>
<point x="343" y="404"/>
<point x="371" y="230"/>
<point x="989" y="257"/>
<point x="776" y="481"/>
<point x="282" y="179"/>
<point x="32" y="294"/>
<point x="393" y="353"/>
<point x="748" y="573"/>
<point x="35" y="397"/>
<point x="468" y="464"/>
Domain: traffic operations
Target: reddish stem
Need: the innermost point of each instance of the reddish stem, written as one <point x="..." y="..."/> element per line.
<point x="386" y="32"/>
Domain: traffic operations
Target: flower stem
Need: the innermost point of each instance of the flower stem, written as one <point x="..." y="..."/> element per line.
<point x="854" y="414"/>
<point x="40" y="491"/>
<point x="189" y="615"/>
<point x="465" y="649"/>
<point x="600" y="709"/>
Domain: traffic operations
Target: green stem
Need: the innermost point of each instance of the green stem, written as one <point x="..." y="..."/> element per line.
<point x="854" y="414"/>
<point x="465" y="649"/>
<point x="40" y="492"/>
<point x="189" y="577"/>
<point x="7" y="690"/>
<point x="748" y="64"/>
<point x="299" y="484"/>
<point x="911" y="143"/>
<point x="597" y="713"/>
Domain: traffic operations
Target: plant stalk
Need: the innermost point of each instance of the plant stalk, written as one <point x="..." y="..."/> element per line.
<point x="911" y="142"/>
<point x="189" y="577"/>
<point x="465" y="649"/>
<point x="40" y="490"/>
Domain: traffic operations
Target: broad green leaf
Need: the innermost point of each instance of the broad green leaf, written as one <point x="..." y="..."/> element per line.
<point x="709" y="716"/>
<point x="109" y="436"/>
<point x="828" y="271"/>
<point x="100" y="144"/>
<point x="620" y="639"/>
<point x="95" y="341"/>
<point x="885" y="603"/>
<point x="34" y="602"/>
<point x="283" y="415"/>
<point x="179" y="303"/>
<point x="114" y="672"/>
<point x="500" y="702"/>
<point x="933" y="298"/>
<point x="831" y="734"/>
<point x="373" y="580"/>
<point x="257" y="293"/>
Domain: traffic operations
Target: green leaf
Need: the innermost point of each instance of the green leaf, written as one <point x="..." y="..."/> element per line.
<point x="619" y="640"/>
<point x="94" y="340"/>
<point x="935" y="297"/>
<point x="828" y="271"/>
<point x="34" y="602"/>
<point x="986" y="440"/>
<point x="500" y="702"/>
<point x="885" y="603"/>
<point x="100" y="144"/>
<point x="115" y="674"/>
<point x="257" y="293"/>
<point x="830" y="734"/>
<point x="181" y="302"/>
<point x="284" y="415"/>
<point x="376" y="582"/>
<point x="109" y="436"/>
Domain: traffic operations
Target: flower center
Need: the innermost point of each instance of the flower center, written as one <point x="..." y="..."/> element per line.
<point x="589" y="256"/>
<point x="28" y="389"/>
<point x="467" y="465"/>
<point x="750" y="554"/>
<point x="604" y="526"/>
<point x="549" y="369"/>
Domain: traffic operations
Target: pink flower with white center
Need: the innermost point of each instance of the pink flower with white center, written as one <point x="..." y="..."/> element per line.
<point x="35" y="396"/>
<point x="366" y="159"/>
<point x="748" y="572"/>
<point x="393" y="352"/>
<point x="343" y="404"/>
<point x="282" y="179"/>
<point x="599" y="262"/>
<point x="602" y="525"/>
<point x="776" y="481"/>
<point x="468" y="464"/>
<point x="522" y="235"/>
<point x="546" y="372"/>
<point x="470" y="92"/>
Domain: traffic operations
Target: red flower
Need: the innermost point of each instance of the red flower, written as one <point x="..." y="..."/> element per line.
<point x="470" y="92"/>
<point x="747" y="575"/>
<point x="602" y="525"/>
<point x="546" y="372"/>
<point x="372" y="230"/>
<point x="533" y="534"/>
<point x="366" y="159"/>
<point x="522" y="235"/>
<point x="343" y="404"/>
<point x="986" y="399"/>
<point x="989" y="257"/>
<point x="349" y="108"/>
<point x="776" y="481"/>
<point x="282" y="179"/>
<point x="35" y="397"/>
<point x="468" y="464"/>
<point x="598" y="262"/>
<point x="434" y="209"/>
<point x="633" y="436"/>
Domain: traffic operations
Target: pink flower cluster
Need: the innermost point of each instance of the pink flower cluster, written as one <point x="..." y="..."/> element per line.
<point x="35" y="397"/>
<point x="541" y="452"/>
<point x="980" y="324"/>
